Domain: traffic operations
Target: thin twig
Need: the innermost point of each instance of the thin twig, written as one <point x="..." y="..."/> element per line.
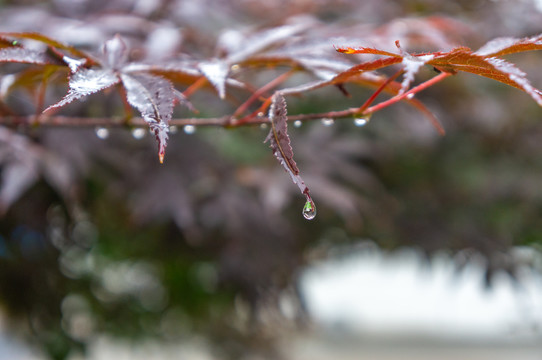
<point x="253" y="119"/>
<point x="406" y="94"/>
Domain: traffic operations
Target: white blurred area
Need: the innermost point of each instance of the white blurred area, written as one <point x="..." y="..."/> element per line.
<point x="368" y="304"/>
<point x="372" y="292"/>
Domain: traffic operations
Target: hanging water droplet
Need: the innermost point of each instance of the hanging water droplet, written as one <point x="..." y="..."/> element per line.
<point x="263" y="126"/>
<point x="360" y="121"/>
<point x="189" y="129"/>
<point x="235" y="67"/>
<point x="173" y="129"/>
<point x="138" y="133"/>
<point x="261" y="114"/>
<point x="298" y="123"/>
<point x="328" y="121"/>
<point x="309" y="210"/>
<point x="102" y="133"/>
<point x="410" y="96"/>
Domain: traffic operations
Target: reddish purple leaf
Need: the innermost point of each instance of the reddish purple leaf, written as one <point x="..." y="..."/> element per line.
<point x="154" y="97"/>
<point x="22" y="55"/>
<point x="85" y="82"/>
<point x="216" y="72"/>
<point x="115" y="53"/>
<point x="282" y="149"/>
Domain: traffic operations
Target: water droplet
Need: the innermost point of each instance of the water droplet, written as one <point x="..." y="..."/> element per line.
<point x="263" y="126"/>
<point x="328" y="121"/>
<point x="235" y="67"/>
<point x="261" y="114"/>
<point x="361" y="121"/>
<point x="173" y="129"/>
<point x="410" y="96"/>
<point x="298" y="123"/>
<point x="102" y="133"/>
<point x="189" y="129"/>
<point x="309" y="210"/>
<point x="138" y="133"/>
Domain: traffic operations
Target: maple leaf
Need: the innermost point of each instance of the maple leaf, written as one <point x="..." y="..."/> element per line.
<point x="282" y="149"/>
<point x="490" y="66"/>
<point x="484" y="62"/>
<point x="506" y="45"/>
<point x="85" y="82"/>
<point x="27" y="56"/>
<point x="153" y="95"/>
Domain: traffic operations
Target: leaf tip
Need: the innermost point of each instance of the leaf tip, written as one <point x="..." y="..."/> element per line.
<point x="345" y="50"/>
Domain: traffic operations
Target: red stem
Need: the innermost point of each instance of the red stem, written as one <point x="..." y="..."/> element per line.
<point x="273" y="83"/>
<point x="370" y="100"/>
<point x="414" y="90"/>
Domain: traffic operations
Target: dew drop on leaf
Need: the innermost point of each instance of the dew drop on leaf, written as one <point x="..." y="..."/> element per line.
<point x="102" y="133"/>
<point x="138" y="133"/>
<point x="327" y="121"/>
<point x="189" y="129"/>
<point x="309" y="210"/>
<point x="298" y="123"/>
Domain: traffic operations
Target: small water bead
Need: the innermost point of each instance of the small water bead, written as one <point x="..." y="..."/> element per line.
<point x="328" y="121"/>
<point x="102" y="133"/>
<point x="263" y="126"/>
<point x="309" y="210"/>
<point x="261" y="114"/>
<point x="298" y="123"/>
<point x="189" y="129"/>
<point x="360" y="122"/>
<point x="410" y="96"/>
<point x="138" y="133"/>
<point x="173" y="129"/>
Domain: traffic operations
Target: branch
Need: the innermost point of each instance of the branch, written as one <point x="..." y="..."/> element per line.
<point x="224" y="121"/>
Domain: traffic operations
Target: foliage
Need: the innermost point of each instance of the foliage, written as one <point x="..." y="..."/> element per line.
<point x="215" y="225"/>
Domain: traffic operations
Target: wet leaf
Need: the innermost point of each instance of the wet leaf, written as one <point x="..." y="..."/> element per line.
<point x="115" y="53"/>
<point x="282" y="149"/>
<point x="463" y="59"/>
<point x="216" y="72"/>
<point x="506" y="45"/>
<point x="22" y="55"/>
<point x="154" y="97"/>
<point x="46" y="40"/>
<point x="86" y="82"/>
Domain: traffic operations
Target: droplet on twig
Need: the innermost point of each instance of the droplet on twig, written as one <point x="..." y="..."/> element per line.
<point x="309" y="210"/>
<point x="328" y="121"/>
<point x="102" y="133"/>
<point x="189" y="129"/>
<point x="362" y="120"/>
<point x="138" y="133"/>
<point x="298" y="123"/>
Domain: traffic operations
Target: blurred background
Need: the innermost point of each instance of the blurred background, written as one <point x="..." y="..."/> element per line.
<point x="423" y="245"/>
